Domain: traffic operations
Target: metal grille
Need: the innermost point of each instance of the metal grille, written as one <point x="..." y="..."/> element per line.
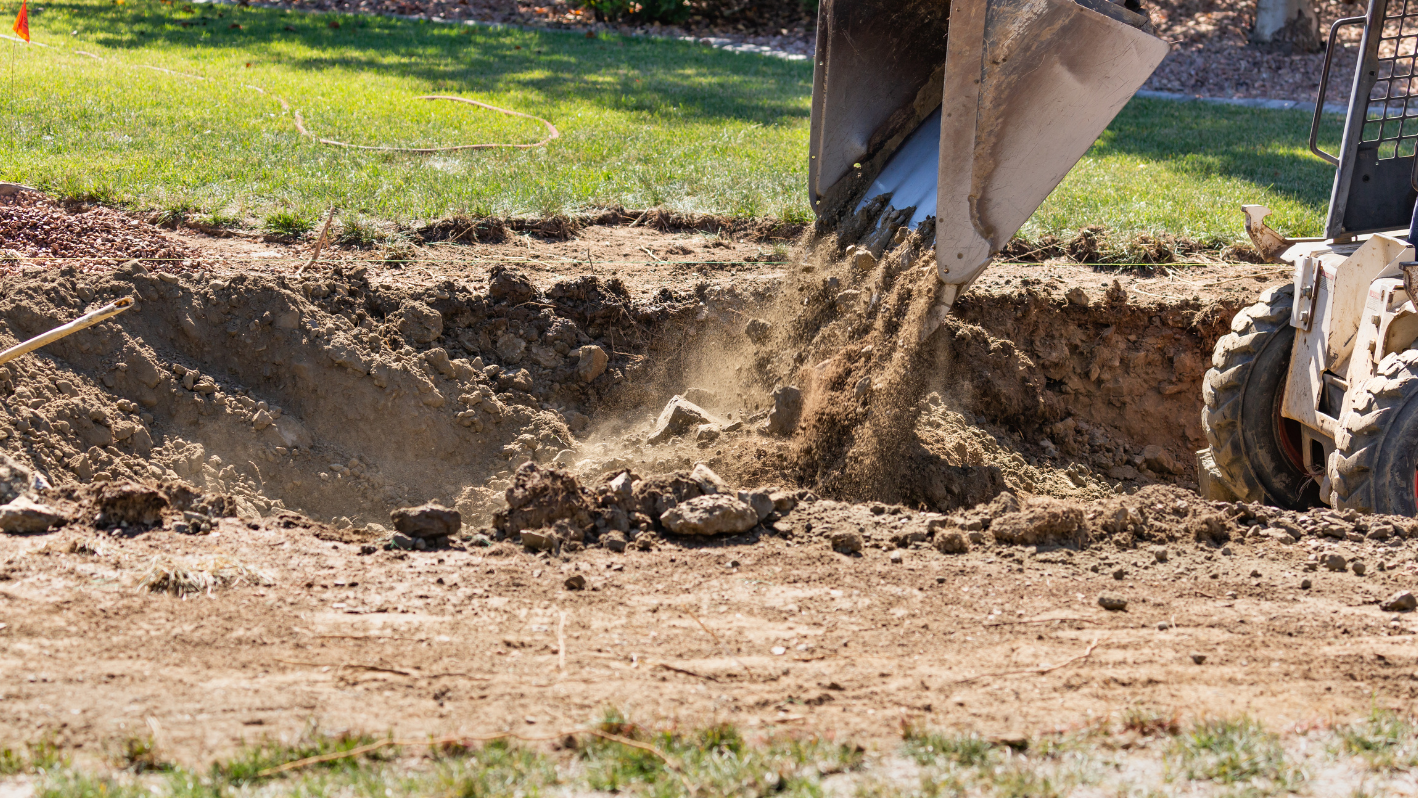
<point x="1392" y="118"/>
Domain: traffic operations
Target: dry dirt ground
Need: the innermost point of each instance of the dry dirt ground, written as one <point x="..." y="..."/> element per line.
<point x="224" y="457"/>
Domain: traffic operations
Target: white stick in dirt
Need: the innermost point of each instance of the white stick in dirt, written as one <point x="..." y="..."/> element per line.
<point x="87" y="320"/>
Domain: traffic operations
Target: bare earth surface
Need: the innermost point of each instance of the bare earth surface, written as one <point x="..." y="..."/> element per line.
<point x="222" y="461"/>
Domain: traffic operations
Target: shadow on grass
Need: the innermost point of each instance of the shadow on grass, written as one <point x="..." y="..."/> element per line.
<point x="667" y="78"/>
<point x="1202" y="140"/>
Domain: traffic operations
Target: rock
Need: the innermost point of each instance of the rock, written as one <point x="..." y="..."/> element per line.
<point x="1305" y="584"/>
<point x="615" y="541"/>
<point x="1334" y="562"/>
<point x="1358" y="567"/>
<point x="783" y="501"/>
<point x="575" y="582"/>
<point x="1163" y="626"/>
<point x="129" y="503"/>
<point x="1123" y="472"/>
<point x="1159" y="459"/>
<point x="757" y="330"/>
<point x="1112" y="602"/>
<point x="787" y="410"/>
<point x="592" y="363"/>
<point x="1199" y="658"/>
<point x="678" y="417"/>
<point x="951" y="543"/>
<point x="1159" y="553"/>
<point x="429" y="520"/>
<point x="25" y="516"/>
<point x="1402" y="601"/>
<point x="716" y="514"/>
<point x="1120" y="574"/>
<point x="406" y="543"/>
<point x="761" y="502"/>
<point x="14" y="478"/>
<point x="846" y="542"/>
<point x="706" y="433"/>
<point x="419" y="322"/>
<point x="1039" y="520"/>
<point x="709" y="482"/>
<point x="863" y="260"/>
<point x="1077" y="296"/>
<point x="510" y="347"/>
<point x="848" y="299"/>
<point x="896" y="557"/>
<point x="623" y="484"/>
<point x="261" y="420"/>
<point x="539" y="540"/>
<point x="510" y="286"/>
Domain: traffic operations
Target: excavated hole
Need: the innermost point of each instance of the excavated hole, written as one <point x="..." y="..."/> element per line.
<point x="343" y="400"/>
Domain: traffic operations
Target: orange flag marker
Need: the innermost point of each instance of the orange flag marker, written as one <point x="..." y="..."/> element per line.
<point x="22" y="22"/>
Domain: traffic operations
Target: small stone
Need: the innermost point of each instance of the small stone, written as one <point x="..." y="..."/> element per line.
<point x="539" y="540"/>
<point x="1230" y="594"/>
<point x="1120" y="574"/>
<point x="761" y="503"/>
<point x="778" y="651"/>
<point x="951" y="543"/>
<point x="1159" y="459"/>
<point x="623" y="485"/>
<point x="592" y="363"/>
<point x="1159" y="553"/>
<point x="1334" y="562"/>
<point x="1163" y="626"/>
<point x="1199" y="658"/>
<point x="510" y="347"/>
<point x="1358" y="567"/>
<point x="1402" y="601"/>
<point x="575" y="582"/>
<point x="429" y="520"/>
<point x="783" y="502"/>
<point x="403" y="542"/>
<point x="261" y="420"/>
<point x="1077" y="296"/>
<point x="615" y="541"/>
<point x="757" y="330"/>
<point x="863" y="260"/>
<point x="1226" y="551"/>
<point x="848" y="299"/>
<point x="1112" y="602"/>
<point x="24" y="516"/>
<point x="787" y="410"/>
<point x="896" y="557"/>
<point x="716" y="514"/>
<point x="679" y="417"/>
<point x="1255" y="574"/>
<point x="1305" y="584"/>
<point x="709" y="482"/>
<point x="847" y="542"/>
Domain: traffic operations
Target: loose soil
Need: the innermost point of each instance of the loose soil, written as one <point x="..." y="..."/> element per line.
<point x="225" y="457"/>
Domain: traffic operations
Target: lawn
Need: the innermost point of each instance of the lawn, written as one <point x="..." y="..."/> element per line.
<point x="643" y="123"/>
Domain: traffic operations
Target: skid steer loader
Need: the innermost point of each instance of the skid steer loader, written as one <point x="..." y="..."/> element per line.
<point x="1313" y="396"/>
<point x="961" y="115"/>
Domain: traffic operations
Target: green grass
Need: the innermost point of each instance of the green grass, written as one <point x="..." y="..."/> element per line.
<point x="1383" y="741"/>
<point x="643" y="123"/>
<point x="1235" y="752"/>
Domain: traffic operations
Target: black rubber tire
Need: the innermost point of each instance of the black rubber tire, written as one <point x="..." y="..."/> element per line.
<point x="1375" y="458"/>
<point x="1242" y="392"/>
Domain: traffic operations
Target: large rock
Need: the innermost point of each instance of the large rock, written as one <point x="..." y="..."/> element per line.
<point x="716" y="514"/>
<point x="1041" y="520"/>
<point x="25" y="516"/>
<point x="129" y="503"/>
<point x="14" y="478"/>
<point x="787" y="410"/>
<point x="1402" y="601"/>
<point x="679" y="417"/>
<point x="429" y="520"/>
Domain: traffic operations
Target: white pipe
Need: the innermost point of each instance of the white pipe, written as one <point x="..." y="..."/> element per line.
<point x="87" y="320"/>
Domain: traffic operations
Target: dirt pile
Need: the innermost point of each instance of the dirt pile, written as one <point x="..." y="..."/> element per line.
<point x="35" y="231"/>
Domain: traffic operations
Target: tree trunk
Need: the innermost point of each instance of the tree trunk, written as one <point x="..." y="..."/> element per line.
<point x="1288" y="26"/>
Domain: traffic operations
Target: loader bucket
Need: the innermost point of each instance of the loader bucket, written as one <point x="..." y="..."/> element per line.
<point x="963" y="115"/>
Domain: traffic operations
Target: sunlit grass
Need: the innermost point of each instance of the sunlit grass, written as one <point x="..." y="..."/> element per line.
<point x="643" y="123"/>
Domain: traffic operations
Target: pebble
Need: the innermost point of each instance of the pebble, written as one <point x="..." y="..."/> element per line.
<point x="575" y="582"/>
<point x="1163" y="626"/>
<point x="1334" y="562"/>
<point x="951" y="543"/>
<point x="1402" y="601"/>
<point x="1304" y="584"/>
<point x="787" y="410"/>
<point x="715" y="514"/>
<point x="1358" y="567"/>
<point x="896" y="557"/>
<point x="1112" y="602"/>
<point x="428" y="520"/>
<point x="1120" y="574"/>
<point x="778" y="651"/>
<point x="1159" y="553"/>
<point x="1199" y="658"/>
<point x="847" y="542"/>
